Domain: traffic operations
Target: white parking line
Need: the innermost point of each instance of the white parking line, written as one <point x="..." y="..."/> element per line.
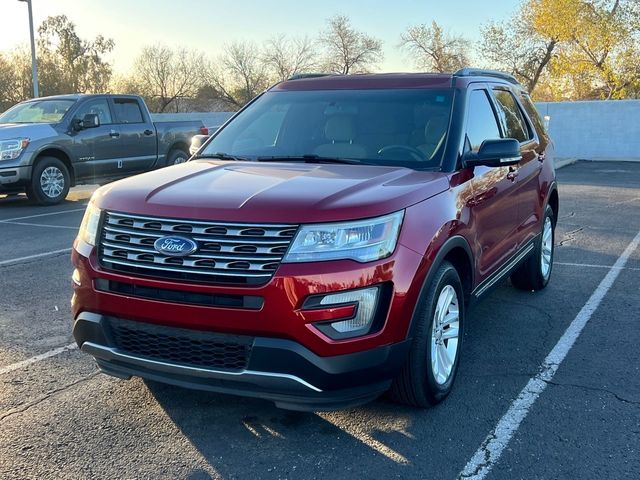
<point x="492" y="447"/>
<point x="591" y="265"/>
<point x="31" y="257"/>
<point x="43" y="215"/>
<point x="26" y="224"/>
<point x="37" y="358"/>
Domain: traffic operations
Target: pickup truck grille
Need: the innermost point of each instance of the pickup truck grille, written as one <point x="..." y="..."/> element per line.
<point x="226" y="253"/>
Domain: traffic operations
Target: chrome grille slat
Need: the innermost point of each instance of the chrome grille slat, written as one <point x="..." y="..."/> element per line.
<point x="123" y="246"/>
<point x="227" y="253"/>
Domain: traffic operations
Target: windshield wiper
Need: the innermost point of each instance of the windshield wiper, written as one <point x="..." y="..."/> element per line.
<point x="223" y="156"/>
<point x="309" y="158"/>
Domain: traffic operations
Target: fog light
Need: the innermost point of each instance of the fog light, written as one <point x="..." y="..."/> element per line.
<point x="365" y="301"/>
<point x="75" y="277"/>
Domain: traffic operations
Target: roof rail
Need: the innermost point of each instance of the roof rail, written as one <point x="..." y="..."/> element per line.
<point x="300" y="76"/>
<point x="468" y="72"/>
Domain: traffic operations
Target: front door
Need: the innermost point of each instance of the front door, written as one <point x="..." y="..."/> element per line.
<point x="493" y="213"/>
<point x="97" y="149"/>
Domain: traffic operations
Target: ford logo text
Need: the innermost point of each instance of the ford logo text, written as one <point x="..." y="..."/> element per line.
<point x="175" y="246"/>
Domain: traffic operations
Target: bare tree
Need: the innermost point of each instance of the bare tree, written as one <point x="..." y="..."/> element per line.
<point x="348" y="50"/>
<point x="238" y="75"/>
<point x="167" y="75"/>
<point x="284" y="57"/>
<point x="434" y="49"/>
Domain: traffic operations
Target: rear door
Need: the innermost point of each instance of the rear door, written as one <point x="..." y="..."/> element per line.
<point x="137" y="135"/>
<point x="96" y="149"/>
<point x="492" y="210"/>
<point x="527" y="187"/>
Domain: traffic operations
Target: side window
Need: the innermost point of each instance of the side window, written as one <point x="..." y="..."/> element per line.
<point x="127" y="110"/>
<point x="533" y="113"/>
<point x="481" y="124"/>
<point x="99" y="106"/>
<point x="513" y="123"/>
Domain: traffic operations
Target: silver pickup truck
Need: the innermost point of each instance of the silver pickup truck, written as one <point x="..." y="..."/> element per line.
<point x="49" y="144"/>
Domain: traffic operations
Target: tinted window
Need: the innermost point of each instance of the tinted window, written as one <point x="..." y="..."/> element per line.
<point x="127" y="110"/>
<point x="100" y="107"/>
<point x="532" y="112"/>
<point x="481" y="123"/>
<point x="513" y="123"/>
<point x="386" y="127"/>
<point x="39" y="111"/>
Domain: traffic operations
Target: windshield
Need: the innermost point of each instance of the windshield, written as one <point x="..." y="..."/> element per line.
<point x="381" y="127"/>
<point x="39" y="111"/>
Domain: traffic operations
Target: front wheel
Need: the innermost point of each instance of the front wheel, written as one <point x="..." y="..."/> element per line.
<point x="535" y="272"/>
<point x="50" y="182"/>
<point x="428" y="375"/>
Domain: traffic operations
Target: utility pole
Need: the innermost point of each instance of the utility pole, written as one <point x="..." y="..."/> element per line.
<point x="34" y="65"/>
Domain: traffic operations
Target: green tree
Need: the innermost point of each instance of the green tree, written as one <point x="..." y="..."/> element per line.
<point x="69" y="64"/>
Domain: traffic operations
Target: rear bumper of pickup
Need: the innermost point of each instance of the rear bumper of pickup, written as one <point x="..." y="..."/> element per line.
<point x="278" y="370"/>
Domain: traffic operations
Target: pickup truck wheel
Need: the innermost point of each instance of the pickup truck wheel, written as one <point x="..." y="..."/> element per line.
<point x="177" y="156"/>
<point x="50" y="182"/>
<point x="535" y="272"/>
<point x="428" y="375"/>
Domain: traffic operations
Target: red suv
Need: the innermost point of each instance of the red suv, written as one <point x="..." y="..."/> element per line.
<point x="324" y="245"/>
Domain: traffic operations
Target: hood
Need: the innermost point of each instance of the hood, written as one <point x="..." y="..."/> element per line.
<point x="270" y="192"/>
<point x="33" y="131"/>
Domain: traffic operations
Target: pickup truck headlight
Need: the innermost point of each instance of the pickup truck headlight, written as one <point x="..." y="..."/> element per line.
<point x="361" y="240"/>
<point x="11" y="149"/>
<point x="89" y="225"/>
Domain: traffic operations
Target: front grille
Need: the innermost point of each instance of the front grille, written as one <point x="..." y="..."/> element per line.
<point x="181" y="346"/>
<point x="227" y="253"/>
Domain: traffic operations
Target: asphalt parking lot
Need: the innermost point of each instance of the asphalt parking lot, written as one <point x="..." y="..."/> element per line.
<point x="59" y="418"/>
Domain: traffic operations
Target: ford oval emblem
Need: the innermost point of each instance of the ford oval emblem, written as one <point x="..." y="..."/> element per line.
<point x="175" y="246"/>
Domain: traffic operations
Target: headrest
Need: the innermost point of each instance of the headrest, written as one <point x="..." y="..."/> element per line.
<point x="435" y="128"/>
<point x="339" y="128"/>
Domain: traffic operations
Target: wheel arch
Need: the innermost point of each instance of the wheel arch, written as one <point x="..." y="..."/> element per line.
<point x="554" y="202"/>
<point x="60" y="155"/>
<point x="457" y="251"/>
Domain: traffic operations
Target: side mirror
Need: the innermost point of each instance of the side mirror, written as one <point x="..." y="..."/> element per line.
<point x="196" y="142"/>
<point x="495" y="153"/>
<point x="91" y="120"/>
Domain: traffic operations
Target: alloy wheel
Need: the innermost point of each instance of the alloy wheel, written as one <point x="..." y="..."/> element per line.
<point x="444" y="334"/>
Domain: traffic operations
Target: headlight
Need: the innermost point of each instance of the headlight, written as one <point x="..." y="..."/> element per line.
<point x="11" y="149"/>
<point x="362" y="240"/>
<point x="89" y="225"/>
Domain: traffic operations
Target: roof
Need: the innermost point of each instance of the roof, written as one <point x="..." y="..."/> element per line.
<point x="392" y="80"/>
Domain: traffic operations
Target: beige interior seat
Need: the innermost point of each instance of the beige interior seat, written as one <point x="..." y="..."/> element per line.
<point x="340" y="131"/>
<point x="434" y="132"/>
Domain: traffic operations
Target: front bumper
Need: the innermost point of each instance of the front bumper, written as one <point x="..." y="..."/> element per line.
<point x="14" y="178"/>
<point x="278" y="370"/>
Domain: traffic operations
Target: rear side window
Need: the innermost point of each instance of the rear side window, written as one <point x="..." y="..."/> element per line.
<point x="99" y="107"/>
<point x="481" y="124"/>
<point x="513" y="122"/>
<point x="532" y="112"/>
<point x="127" y="110"/>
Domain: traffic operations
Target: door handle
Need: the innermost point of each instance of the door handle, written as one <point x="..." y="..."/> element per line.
<point x="114" y="134"/>
<point x="513" y="174"/>
<point x="541" y="157"/>
<point x="148" y="132"/>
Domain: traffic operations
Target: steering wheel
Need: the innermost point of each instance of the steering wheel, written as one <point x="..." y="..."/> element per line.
<point x="404" y="152"/>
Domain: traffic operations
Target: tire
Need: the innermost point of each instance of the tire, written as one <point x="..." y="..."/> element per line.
<point x="535" y="272"/>
<point x="419" y="384"/>
<point x="177" y="156"/>
<point x="50" y="181"/>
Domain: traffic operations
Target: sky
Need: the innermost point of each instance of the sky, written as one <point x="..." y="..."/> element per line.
<point x="206" y="25"/>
